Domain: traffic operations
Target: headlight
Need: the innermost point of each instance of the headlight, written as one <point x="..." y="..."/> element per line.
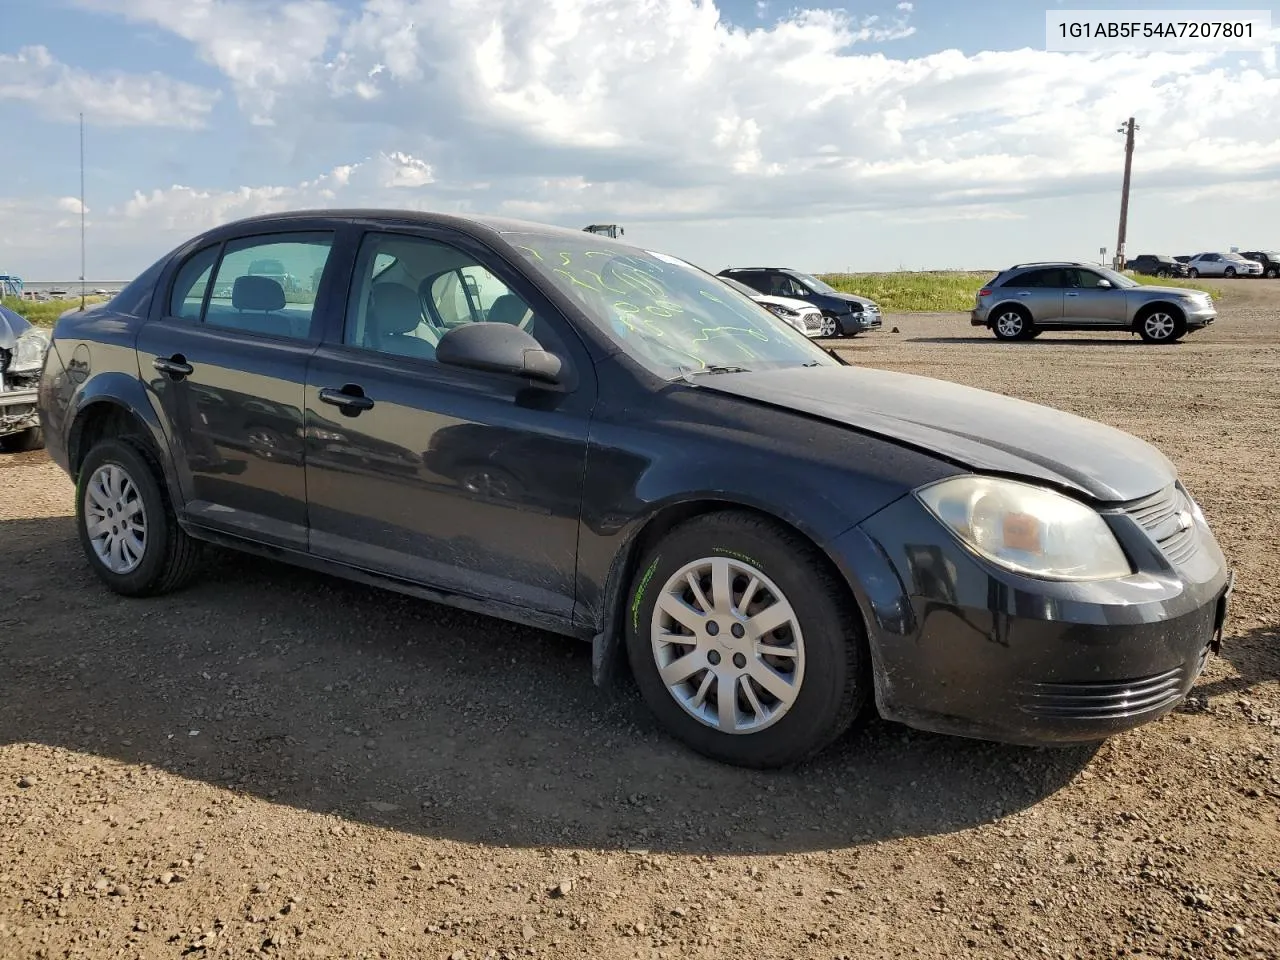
<point x="1027" y="529"/>
<point x="782" y="311"/>
<point x="28" y="352"/>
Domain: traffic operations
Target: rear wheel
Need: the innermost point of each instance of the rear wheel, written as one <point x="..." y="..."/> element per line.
<point x="1012" y="323"/>
<point x="1161" y="325"/>
<point x="126" y="523"/>
<point x="744" y="644"/>
<point x="23" y="441"/>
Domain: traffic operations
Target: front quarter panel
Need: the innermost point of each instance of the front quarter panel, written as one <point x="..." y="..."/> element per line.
<point x="688" y="449"/>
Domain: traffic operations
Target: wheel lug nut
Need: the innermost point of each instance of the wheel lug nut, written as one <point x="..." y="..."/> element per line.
<point x="738" y="630"/>
<point x="739" y="660"/>
<point x="713" y="657"/>
<point x="712" y="628"/>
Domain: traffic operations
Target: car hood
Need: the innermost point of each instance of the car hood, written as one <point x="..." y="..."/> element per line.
<point x="12" y="326"/>
<point x="852" y="298"/>
<point x="791" y="303"/>
<point x="1166" y="291"/>
<point x="983" y="431"/>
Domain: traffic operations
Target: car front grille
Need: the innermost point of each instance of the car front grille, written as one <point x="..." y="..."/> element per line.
<point x="1166" y="517"/>
<point x="812" y="321"/>
<point x="1111" y="700"/>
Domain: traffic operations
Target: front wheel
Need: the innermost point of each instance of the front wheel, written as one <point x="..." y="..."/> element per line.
<point x="126" y="524"/>
<point x="1193" y="273"/>
<point x="1229" y="272"/>
<point x="829" y="327"/>
<point x="1272" y="272"/>
<point x="744" y="644"/>
<point x="1161" y="326"/>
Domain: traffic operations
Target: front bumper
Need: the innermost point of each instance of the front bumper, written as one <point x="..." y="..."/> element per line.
<point x="860" y="322"/>
<point x="18" y="411"/>
<point x="962" y="647"/>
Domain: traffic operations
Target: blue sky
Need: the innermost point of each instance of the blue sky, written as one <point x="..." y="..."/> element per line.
<point x="936" y="133"/>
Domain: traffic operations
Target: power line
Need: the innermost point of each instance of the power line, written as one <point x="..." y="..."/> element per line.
<point x="1127" y="129"/>
<point x="82" y="291"/>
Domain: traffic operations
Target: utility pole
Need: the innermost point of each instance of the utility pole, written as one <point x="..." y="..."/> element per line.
<point x="82" y="211"/>
<point x="1127" y="129"/>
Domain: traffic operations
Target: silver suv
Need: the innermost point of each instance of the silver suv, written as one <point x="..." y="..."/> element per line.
<point x="1024" y="301"/>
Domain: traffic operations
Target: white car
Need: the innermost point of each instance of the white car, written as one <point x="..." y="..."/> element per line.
<point x="805" y="317"/>
<point x="1223" y="265"/>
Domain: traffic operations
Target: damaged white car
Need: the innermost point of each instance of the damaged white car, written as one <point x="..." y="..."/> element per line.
<point x="22" y="350"/>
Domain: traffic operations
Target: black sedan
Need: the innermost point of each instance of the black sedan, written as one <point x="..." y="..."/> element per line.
<point x="566" y="431"/>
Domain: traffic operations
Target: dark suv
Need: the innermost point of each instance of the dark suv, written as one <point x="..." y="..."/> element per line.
<point x="852" y="314"/>
<point x="1270" y="260"/>
<point x="1156" y="265"/>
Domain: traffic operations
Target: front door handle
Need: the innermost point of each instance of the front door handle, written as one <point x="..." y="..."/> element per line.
<point x="1024" y="293"/>
<point x="175" y="367"/>
<point x="1073" y="294"/>
<point x="350" y="399"/>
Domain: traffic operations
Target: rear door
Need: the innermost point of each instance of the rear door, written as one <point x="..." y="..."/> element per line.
<point x="1041" y="292"/>
<point x="224" y="355"/>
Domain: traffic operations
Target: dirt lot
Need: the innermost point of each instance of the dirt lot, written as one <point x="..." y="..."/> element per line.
<point x="274" y="761"/>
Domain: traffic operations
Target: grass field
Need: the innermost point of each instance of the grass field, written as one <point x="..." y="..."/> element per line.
<point x="947" y="291"/>
<point x="42" y="313"/>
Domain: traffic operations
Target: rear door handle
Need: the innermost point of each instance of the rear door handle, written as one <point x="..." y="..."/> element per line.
<point x="175" y="367"/>
<point x="350" y="399"/>
<point x="1073" y="294"/>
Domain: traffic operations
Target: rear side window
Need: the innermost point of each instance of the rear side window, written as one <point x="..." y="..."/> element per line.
<point x="187" y="297"/>
<point x="268" y="284"/>
<point x="1036" y="279"/>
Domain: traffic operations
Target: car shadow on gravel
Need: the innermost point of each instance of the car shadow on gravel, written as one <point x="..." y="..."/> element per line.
<point x="383" y="709"/>
<point x="1093" y="341"/>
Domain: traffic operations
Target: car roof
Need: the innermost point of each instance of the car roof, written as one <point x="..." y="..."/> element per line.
<point x="470" y="222"/>
<point x="774" y="269"/>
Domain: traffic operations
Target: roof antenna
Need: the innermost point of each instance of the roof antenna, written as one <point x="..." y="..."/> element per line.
<point x="82" y="212"/>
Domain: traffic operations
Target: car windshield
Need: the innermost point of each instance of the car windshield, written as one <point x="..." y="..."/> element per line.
<point x="1117" y="279"/>
<point x="814" y="284"/>
<point x="669" y="315"/>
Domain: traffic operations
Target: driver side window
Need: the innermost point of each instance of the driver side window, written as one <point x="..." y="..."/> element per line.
<point x="409" y="292"/>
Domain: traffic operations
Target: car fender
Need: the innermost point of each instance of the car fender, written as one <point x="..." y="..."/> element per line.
<point x="126" y="393"/>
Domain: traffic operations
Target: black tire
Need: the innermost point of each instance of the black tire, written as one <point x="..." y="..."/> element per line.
<point x="1151" y="335"/>
<point x="170" y="557"/>
<point x="1271" y="273"/>
<point x="1005" y="331"/>
<point x="836" y="685"/>
<point x="1162" y="273"/>
<point x="1229" y="273"/>
<point x="23" y="441"/>
<point x="1193" y="273"/>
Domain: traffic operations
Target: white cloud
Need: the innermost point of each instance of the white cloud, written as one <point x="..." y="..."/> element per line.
<point x="661" y="111"/>
<point x="262" y="46"/>
<point x="110" y="99"/>
<point x="70" y="205"/>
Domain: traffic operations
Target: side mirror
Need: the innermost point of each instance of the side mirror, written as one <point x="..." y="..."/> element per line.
<point x="1105" y="284"/>
<point x="498" y="348"/>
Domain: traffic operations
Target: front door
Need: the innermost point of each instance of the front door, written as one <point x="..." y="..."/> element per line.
<point x="225" y="359"/>
<point x="464" y="481"/>
<point x="1085" y="303"/>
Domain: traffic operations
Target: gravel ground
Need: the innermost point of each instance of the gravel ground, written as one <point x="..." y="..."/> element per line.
<point x="278" y="762"/>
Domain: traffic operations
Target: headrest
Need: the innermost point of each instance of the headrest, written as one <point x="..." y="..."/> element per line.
<point x="508" y="308"/>
<point x="257" y="293"/>
<point x="395" y="307"/>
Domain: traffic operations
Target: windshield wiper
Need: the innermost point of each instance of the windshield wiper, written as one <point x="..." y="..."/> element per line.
<point x="717" y="368"/>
